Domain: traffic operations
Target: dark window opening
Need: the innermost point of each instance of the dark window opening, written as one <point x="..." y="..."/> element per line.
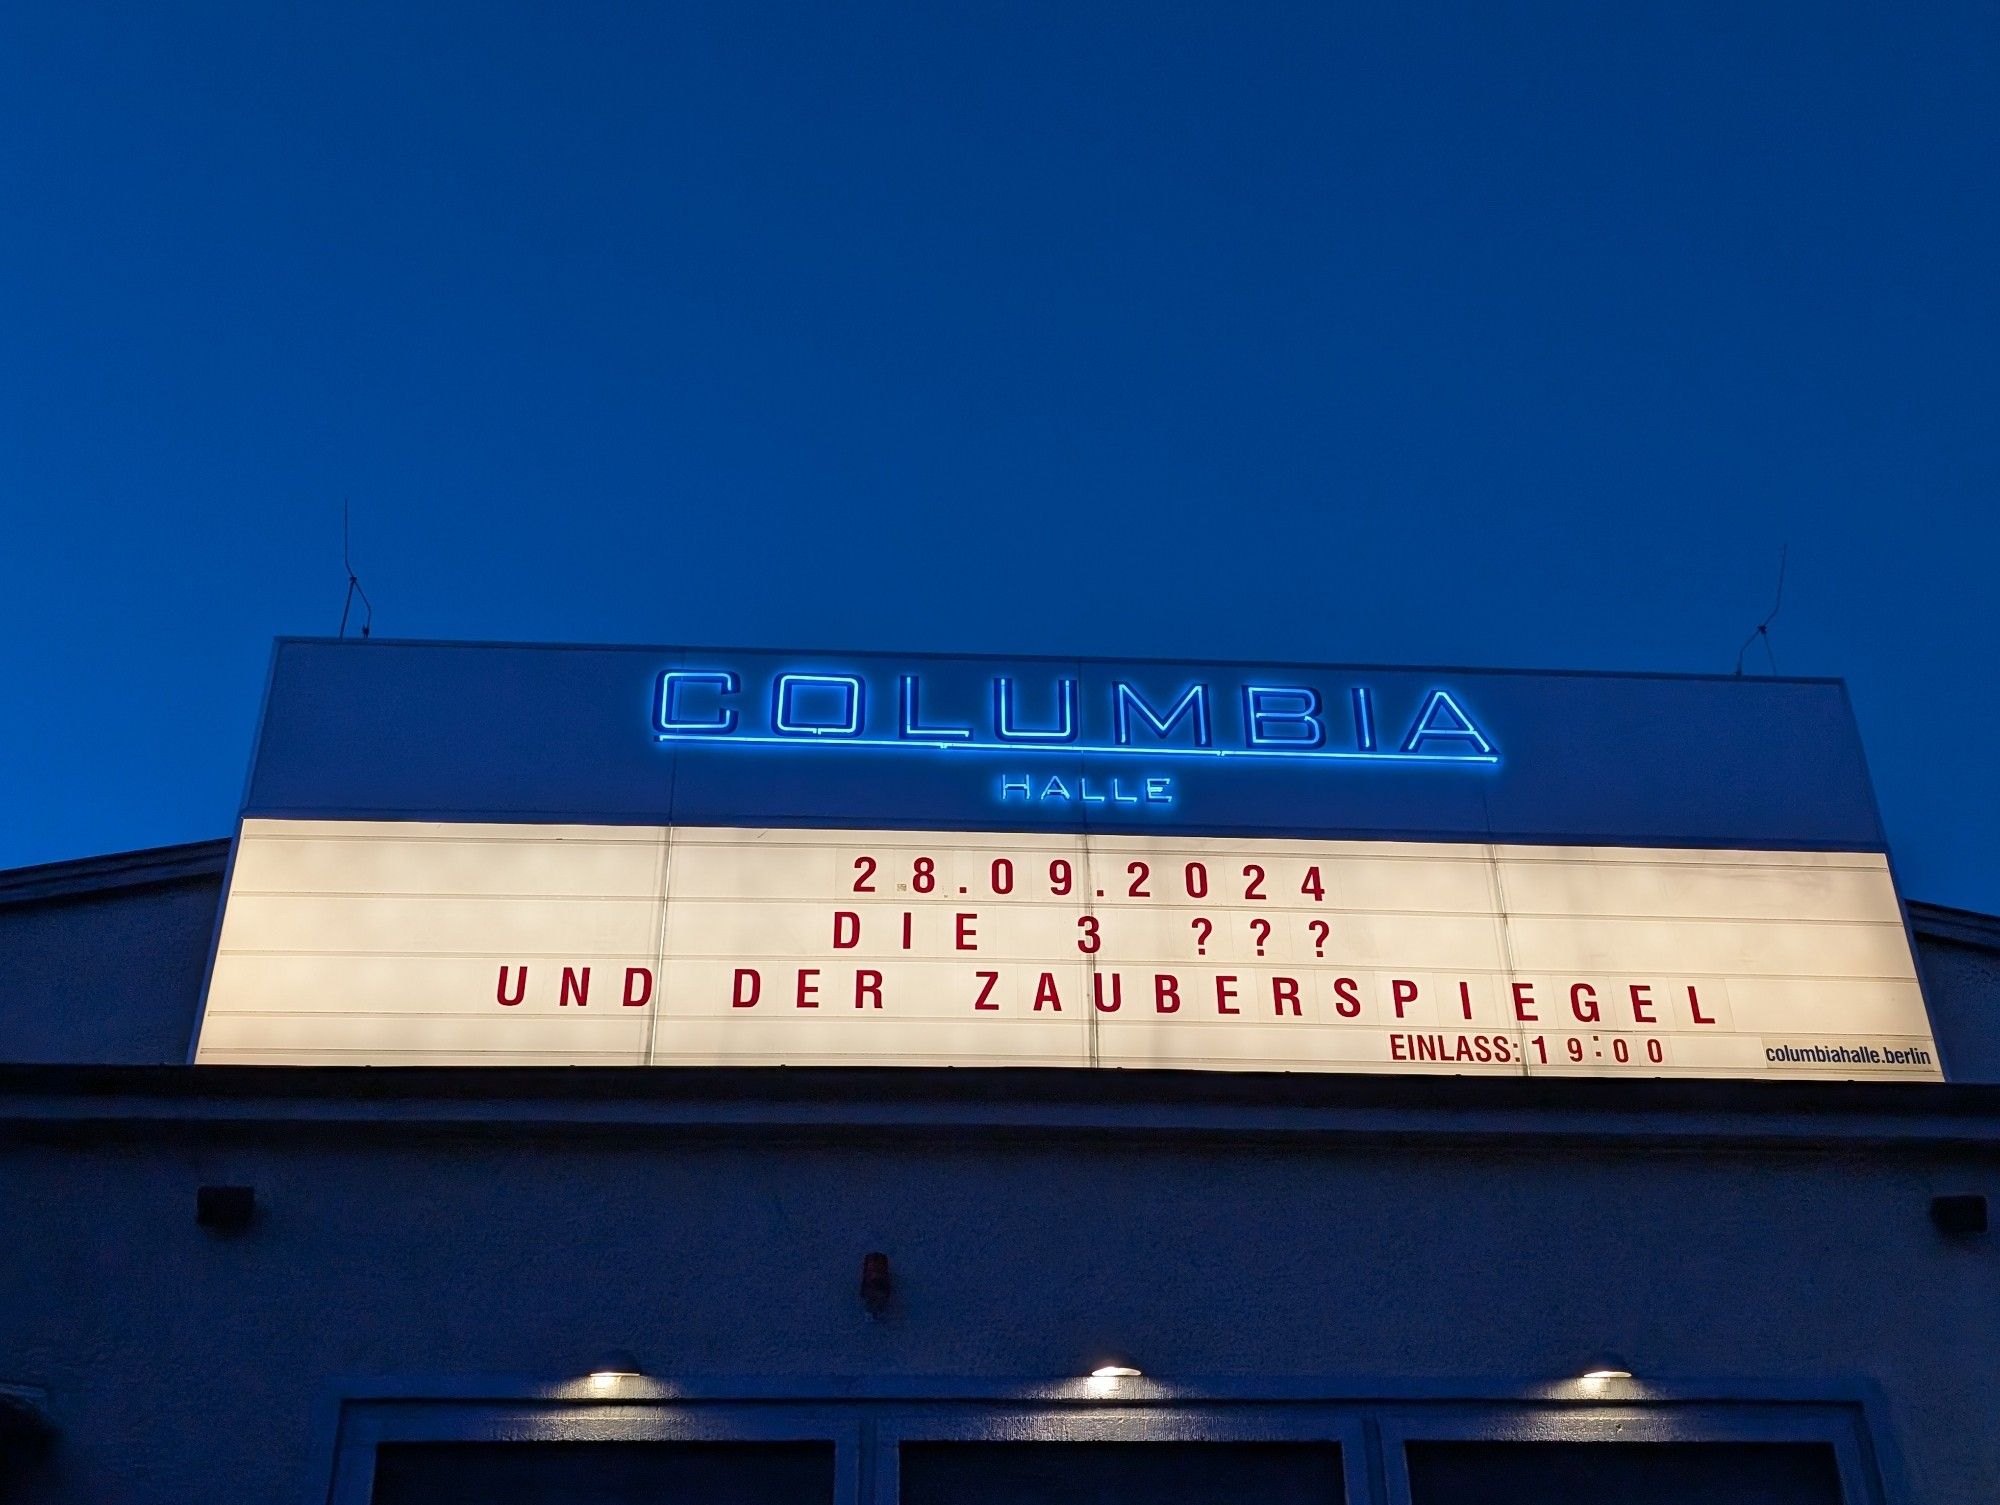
<point x="1627" y="1473"/>
<point x="1121" y="1473"/>
<point x="604" y="1473"/>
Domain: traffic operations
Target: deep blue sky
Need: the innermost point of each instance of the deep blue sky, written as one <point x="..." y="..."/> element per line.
<point x="1498" y="335"/>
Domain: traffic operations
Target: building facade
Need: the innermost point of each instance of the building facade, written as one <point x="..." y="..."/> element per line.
<point x="795" y="1198"/>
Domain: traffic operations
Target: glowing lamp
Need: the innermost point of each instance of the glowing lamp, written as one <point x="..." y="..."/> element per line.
<point x="613" y="1366"/>
<point x="1606" y="1366"/>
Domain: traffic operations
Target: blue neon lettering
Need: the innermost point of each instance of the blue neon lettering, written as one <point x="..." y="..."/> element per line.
<point x="1193" y="704"/>
<point x="1443" y="719"/>
<point x="1003" y="714"/>
<point x="1296" y="706"/>
<point x="1363" y="700"/>
<point x="907" y="719"/>
<point x="666" y="706"/>
<point x="1279" y="721"/>
<point x="1157" y="790"/>
<point x="787" y="690"/>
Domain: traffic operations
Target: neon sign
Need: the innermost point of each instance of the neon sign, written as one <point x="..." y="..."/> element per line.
<point x="1202" y="720"/>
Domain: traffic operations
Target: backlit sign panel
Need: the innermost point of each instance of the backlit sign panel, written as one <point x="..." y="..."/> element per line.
<point x="657" y="857"/>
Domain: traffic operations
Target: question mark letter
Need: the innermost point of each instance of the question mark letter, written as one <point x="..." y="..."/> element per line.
<point x="1320" y="930"/>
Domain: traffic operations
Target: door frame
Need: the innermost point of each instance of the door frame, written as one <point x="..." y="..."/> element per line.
<point x="868" y="1419"/>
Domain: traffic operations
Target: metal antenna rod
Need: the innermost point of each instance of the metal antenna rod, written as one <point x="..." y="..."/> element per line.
<point x="1763" y="628"/>
<point x="354" y="582"/>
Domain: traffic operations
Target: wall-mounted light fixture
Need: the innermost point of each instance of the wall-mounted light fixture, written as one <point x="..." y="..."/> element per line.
<point x="876" y="1286"/>
<point x="612" y="1368"/>
<point x="1109" y="1372"/>
<point x="1605" y="1366"/>
<point x="225" y="1209"/>
<point x="1959" y="1216"/>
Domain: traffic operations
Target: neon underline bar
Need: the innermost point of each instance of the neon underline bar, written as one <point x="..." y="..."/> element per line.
<point x="908" y="744"/>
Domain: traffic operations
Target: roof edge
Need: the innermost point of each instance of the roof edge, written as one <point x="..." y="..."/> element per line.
<point x="80" y="877"/>
<point x="848" y="650"/>
<point x="1965" y="927"/>
<point x="1067" y="1103"/>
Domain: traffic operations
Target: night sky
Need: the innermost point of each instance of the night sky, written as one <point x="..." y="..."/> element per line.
<point x="1522" y="336"/>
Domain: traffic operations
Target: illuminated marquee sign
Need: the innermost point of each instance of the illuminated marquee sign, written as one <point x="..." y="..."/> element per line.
<point x="667" y="856"/>
<point x="390" y="943"/>
<point x="1288" y="721"/>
